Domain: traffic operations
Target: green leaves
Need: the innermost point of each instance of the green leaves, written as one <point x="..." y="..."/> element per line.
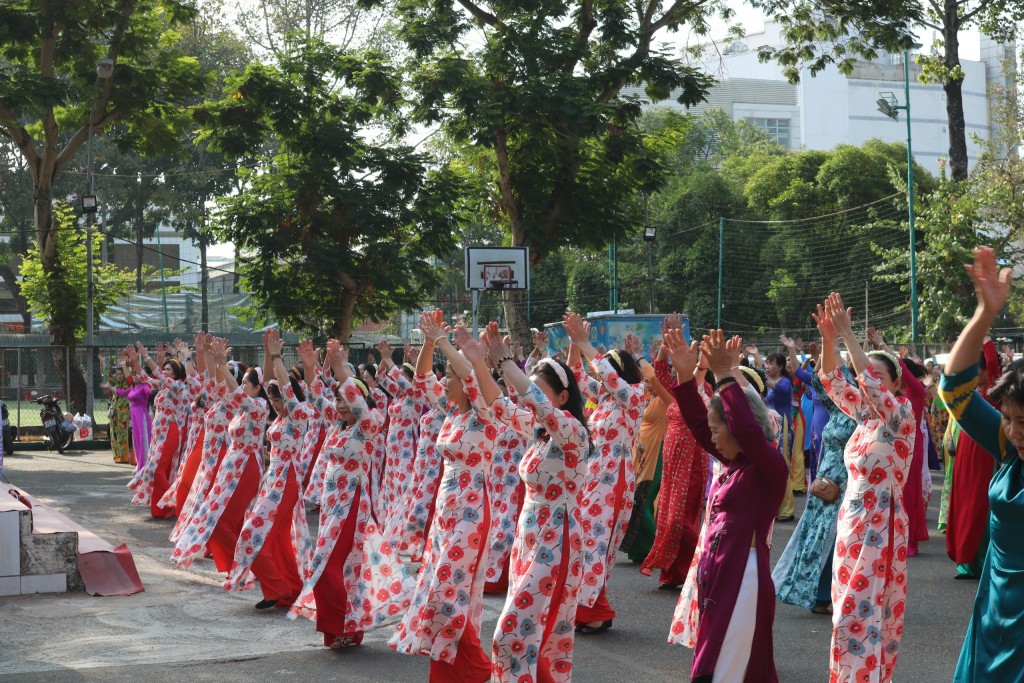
<point x="336" y="223"/>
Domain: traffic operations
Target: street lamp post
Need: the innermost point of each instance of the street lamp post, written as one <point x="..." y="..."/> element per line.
<point x="104" y="70"/>
<point x="888" y="106"/>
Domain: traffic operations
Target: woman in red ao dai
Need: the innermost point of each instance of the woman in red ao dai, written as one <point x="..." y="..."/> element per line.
<point x="444" y="620"/>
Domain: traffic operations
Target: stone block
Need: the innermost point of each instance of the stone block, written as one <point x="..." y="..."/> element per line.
<point x="10" y="543"/>
<point x="10" y="585"/>
<point x="55" y="553"/>
<point x="46" y="583"/>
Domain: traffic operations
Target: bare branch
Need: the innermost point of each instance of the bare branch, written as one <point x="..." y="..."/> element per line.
<point x="21" y="138"/>
<point x="482" y="15"/>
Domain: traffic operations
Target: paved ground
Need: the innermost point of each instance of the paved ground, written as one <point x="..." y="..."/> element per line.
<point x="184" y="627"/>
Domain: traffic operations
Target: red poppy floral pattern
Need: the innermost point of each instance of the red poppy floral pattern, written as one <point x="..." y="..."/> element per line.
<point x="404" y="413"/>
<point x="607" y="499"/>
<point x="409" y="523"/>
<point x="285" y="437"/>
<point x="245" y="449"/>
<point x="449" y="594"/>
<point x="869" y="582"/>
<point x="377" y="585"/>
<point x="546" y="568"/>
<point x="172" y="401"/>
<point x="216" y="420"/>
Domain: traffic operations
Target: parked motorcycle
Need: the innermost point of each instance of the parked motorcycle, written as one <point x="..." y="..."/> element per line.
<point x="56" y="431"/>
<point x="10" y="433"/>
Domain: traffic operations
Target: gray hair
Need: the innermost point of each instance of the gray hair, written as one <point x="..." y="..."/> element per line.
<point x="757" y="406"/>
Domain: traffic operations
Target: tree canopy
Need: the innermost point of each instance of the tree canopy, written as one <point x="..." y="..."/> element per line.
<point x="334" y="223"/>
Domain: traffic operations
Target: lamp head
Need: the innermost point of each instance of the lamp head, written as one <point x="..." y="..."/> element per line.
<point x="649" y="233"/>
<point x="105" y="68"/>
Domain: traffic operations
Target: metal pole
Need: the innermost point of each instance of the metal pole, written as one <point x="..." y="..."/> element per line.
<point x="19" y="393"/>
<point x="89" y="291"/>
<point x="650" y="256"/>
<point x="866" y="309"/>
<point x="163" y="283"/>
<point x="476" y="309"/>
<point x="67" y="374"/>
<point x="910" y="204"/>
<point x="721" y="248"/>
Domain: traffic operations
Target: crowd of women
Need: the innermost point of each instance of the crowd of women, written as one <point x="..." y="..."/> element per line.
<point x="525" y="477"/>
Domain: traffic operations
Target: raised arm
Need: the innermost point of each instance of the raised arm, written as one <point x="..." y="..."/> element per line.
<point x="991" y="289"/>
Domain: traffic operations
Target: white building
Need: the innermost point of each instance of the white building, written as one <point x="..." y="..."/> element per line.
<point x="830" y="108"/>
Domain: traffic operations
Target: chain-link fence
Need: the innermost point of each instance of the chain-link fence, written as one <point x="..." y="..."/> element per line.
<point x="30" y="372"/>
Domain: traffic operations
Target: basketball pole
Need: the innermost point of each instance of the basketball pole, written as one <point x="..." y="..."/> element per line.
<point x="476" y="311"/>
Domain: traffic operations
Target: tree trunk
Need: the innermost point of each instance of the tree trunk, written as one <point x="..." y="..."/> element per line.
<point x="954" y="95"/>
<point x="342" y="327"/>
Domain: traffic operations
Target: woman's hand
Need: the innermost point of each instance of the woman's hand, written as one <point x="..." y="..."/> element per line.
<point x="462" y="336"/>
<point x="991" y="284"/>
<point x="841" y="317"/>
<point x="540" y="342"/>
<point x="473" y="350"/>
<point x="787" y="342"/>
<point x="307" y="354"/>
<point x="432" y="326"/>
<point x="633" y="345"/>
<point x="577" y="328"/>
<point x="722" y="357"/>
<point x="683" y="356"/>
<point x="824" y="322"/>
<point x="493" y="343"/>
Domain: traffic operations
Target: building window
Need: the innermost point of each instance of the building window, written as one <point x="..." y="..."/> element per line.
<point x="778" y="129"/>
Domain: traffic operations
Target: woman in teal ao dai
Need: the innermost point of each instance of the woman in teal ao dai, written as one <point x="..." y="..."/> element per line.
<point x="992" y="650"/>
<point x="803" y="575"/>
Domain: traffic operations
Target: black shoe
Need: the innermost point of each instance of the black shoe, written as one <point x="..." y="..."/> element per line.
<point x="669" y="586"/>
<point x="587" y="630"/>
<point x="265" y="604"/>
<point x="966" y="577"/>
<point x="789" y="518"/>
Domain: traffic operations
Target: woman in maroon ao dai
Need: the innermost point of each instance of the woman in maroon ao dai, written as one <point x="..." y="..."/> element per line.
<point x="444" y="620"/>
<point x="274" y="544"/>
<point x="534" y="638"/>
<point x="735" y="590"/>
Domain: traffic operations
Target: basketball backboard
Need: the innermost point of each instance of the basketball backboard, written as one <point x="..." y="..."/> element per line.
<point x="497" y="268"/>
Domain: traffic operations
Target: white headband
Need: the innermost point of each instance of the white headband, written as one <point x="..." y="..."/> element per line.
<point x="559" y="370"/>
<point x="259" y="375"/>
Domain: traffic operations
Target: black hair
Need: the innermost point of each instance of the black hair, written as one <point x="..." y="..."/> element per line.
<point x="411" y="374"/>
<point x="1009" y="386"/>
<point x="626" y="366"/>
<point x="574" y="402"/>
<point x="176" y="368"/>
<point x="371" y="369"/>
<point x="439" y="369"/>
<point x="238" y="371"/>
<point x="780" y="360"/>
<point x="982" y="363"/>
<point x="889" y="365"/>
<point x="254" y="379"/>
<point x="274" y="391"/>
<point x="916" y="369"/>
<point x="764" y="382"/>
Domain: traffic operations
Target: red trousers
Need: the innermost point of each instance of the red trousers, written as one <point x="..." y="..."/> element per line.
<point x="471" y="665"/>
<point x="557" y="600"/>
<point x="225" y="535"/>
<point x="601" y="611"/>
<point x="329" y="592"/>
<point x="162" y="476"/>
<point x="188" y="474"/>
<point x="276" y="565"/>
<point x="677" y="571"/>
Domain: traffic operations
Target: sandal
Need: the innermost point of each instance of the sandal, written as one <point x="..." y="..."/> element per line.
<point x="588" y="630"/>
<point x="822" y="608"/>
<point x="342" y="642"/>
<point x="265" y="604"/>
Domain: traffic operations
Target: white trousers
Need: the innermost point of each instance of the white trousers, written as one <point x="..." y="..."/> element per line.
<point x="739" y="637"/>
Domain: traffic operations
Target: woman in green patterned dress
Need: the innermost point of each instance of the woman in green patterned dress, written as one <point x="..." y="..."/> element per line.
<point x="120" y="443"/>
